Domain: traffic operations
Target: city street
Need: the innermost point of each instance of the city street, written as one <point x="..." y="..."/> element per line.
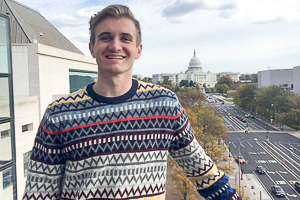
<point x="263" y="145"/>
<point x="280" y="156"/>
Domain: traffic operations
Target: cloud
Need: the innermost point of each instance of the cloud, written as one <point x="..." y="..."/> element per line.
<point x="183" y="7"/>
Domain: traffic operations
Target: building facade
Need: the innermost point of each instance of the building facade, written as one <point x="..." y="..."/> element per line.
<point x="45" y="67"/>
<point x="195" y="74"/>
<point x="281" y="77"/>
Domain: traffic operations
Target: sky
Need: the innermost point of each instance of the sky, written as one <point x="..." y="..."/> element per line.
<point x="228" y="35"/>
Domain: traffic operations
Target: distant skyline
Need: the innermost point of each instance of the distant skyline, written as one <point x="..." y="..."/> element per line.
<point x="228" y="35"/>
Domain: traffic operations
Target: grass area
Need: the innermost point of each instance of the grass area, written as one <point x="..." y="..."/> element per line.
<point x="229" y="100"/>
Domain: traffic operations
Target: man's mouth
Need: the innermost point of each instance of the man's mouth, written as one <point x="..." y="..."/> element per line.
<point x="115" y="57"/>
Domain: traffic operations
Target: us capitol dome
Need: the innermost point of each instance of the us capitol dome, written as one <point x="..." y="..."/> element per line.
<point x="195" y="64"/>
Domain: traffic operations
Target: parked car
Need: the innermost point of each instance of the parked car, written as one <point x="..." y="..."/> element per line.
<point x="247" y="115"/>
<point x="240" y="159"/>
<point x="260" y="170"/>
<point x="278" y="191"/>
<point x="297" y="185"/>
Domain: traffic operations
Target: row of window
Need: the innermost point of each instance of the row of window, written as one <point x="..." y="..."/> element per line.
<point x="7" y="133"/>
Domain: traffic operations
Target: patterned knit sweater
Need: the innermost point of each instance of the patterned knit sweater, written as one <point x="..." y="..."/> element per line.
<point x="94" y="147"/>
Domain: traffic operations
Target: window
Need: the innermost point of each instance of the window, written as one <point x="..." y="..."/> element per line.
<point x="78" y="79"/>
<point x="26" y="158"/>
<point x="7" y="177"/>
<point x="5" y="133"/>
<point x="27" y="127"/>
<point x="4" y="98"/>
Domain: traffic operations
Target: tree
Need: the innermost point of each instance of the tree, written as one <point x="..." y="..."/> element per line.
<point x="223" y="88"/>
<point x="184" y="83"/>
<point x="185" y="187"/>
<point x="192" y="84"/>
<point x="166" y="81"/>
<point x="227" y="80"/>
<point x="254" y="78"/>
<point x="204" y="85"/>
<point x="208" y="129"/>
<point x="244" y="96"/>
<point x="147" y="80"/>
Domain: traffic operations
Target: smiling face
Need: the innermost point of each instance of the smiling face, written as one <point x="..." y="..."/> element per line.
<point x="115" y="47"/>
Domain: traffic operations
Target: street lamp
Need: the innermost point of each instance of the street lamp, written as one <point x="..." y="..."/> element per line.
<point x="272" y="105"/>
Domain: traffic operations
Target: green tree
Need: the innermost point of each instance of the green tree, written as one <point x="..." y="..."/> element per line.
<point x="192" y="84"/>
<point x="223" y="88"/>
<point x="184" y="83"/>
<point x="245" y="96"/>
<point x="166" y="81"/>
<point x="147" y="80"/>
<point x="208" y="129"/>
<point x="227" y="80"/>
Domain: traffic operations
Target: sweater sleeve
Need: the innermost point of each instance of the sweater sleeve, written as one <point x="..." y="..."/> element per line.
<point x="210" y="182"/>
<point x="46" y="165"/>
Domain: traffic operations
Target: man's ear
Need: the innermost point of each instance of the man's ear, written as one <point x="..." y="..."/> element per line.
<point x="139" y="51"/>
<point x="91" y="47"/>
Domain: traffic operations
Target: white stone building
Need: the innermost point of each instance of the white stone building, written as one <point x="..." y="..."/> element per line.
<point x="195" y="74"/>
<point x="44" y="68"/>
<point x="281" y="77"/>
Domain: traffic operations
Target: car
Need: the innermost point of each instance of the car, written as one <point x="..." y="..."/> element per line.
<point x="240" y="159"/>
<point x="260" y="170"/>
<point x="247" y="115"/>
<point x="243" y="119"/>
<point x="278" y="191"/>
<point x="237" y="116"/>
<point x="297" y="185"/>
<point x="252" y="116"/>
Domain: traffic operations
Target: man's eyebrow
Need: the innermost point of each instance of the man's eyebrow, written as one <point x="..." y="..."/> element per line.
<point x="127" y="34"/>
<point x="104" y="33"/>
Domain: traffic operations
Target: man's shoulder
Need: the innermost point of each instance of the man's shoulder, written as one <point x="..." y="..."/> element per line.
<point x="70" y="100"/>
<point x="154" y="88"/>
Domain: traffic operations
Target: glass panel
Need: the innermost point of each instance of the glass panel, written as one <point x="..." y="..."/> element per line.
<point x="26" y="157"/>
<point x="5" y="145"/>
<point x="7" y="177"/>
<point x="80" y="79"/>
<point x="6" y="192"/>
<point x="4" y="46"/>
<point x="4" y="98"/>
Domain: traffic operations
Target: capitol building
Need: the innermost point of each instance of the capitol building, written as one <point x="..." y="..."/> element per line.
<point x="195" y="74"/>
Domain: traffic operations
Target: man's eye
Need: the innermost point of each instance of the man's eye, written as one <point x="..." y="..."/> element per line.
<point x="105" y="38"/>
<point x="126" y="39"/>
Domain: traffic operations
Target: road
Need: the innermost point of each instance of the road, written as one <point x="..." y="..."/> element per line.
<point x="277" y="152"/>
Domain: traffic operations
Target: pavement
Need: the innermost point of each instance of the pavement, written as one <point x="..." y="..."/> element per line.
<point x="258" y="192"/>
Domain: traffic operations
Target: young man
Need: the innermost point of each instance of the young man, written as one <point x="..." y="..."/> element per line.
<point x="112" y="138"/>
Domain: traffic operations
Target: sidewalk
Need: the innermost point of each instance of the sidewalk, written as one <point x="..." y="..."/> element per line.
<point x="234" y="181"/>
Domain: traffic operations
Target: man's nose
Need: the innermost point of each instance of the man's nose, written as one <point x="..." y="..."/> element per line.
<point x="115" y="45"/>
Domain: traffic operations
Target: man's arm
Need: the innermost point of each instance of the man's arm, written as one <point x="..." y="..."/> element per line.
<point x="210" y="182"/>
<point x="46" y="166"/>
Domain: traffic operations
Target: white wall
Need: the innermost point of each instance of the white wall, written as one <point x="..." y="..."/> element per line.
<point x="26" y="112"/>
<point x="40" y="74"/>
<point x="296" y="78"/>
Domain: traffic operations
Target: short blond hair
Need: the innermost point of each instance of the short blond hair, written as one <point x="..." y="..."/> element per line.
<point x="116" y="12"/>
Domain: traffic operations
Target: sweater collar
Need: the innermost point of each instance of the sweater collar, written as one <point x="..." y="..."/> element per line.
<point x="112" y="100"/>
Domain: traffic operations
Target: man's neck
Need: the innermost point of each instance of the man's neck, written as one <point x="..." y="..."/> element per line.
<point x="112" y="86"/>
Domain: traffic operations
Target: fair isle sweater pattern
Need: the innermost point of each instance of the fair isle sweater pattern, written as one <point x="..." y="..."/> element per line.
<point x="93" y="147"/>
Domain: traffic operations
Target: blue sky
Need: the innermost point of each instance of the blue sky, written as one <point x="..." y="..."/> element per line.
<point x="228" y="35"/>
